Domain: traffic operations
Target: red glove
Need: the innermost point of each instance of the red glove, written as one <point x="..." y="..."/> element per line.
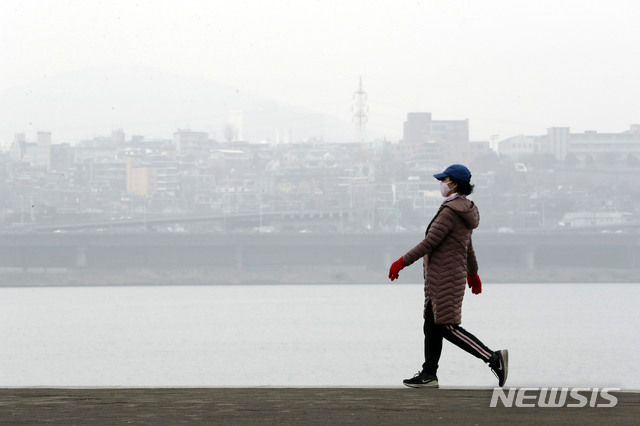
<point x="474" y="283"/>
<point x="395" y="268"/>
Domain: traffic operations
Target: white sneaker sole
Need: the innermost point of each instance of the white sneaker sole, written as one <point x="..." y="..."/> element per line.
<point x="505" y="360"/>
<point x="433" y="385"/>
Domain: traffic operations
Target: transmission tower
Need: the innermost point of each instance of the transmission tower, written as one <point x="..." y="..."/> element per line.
<point x="360" y="109"/>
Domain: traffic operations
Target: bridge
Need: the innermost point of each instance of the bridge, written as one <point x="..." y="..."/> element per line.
<point x="260" y="251"/>
<point x="336" y="219"/>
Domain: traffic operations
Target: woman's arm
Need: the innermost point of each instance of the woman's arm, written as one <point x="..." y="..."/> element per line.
<point x="440" y="227"/>
<point x="472" y="262"/>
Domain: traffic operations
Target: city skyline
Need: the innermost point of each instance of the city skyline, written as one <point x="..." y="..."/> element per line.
<point x="510" y="68"/>
<point x="501" y="146"/>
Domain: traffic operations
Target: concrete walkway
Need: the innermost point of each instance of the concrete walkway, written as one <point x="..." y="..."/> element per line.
<point x="290" y="406"/>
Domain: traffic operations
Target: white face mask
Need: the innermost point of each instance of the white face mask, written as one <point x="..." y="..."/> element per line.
<point x="444" y="188"/>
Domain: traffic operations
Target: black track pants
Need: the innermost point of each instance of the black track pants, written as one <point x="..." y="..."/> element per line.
<point x="433" y="334"/>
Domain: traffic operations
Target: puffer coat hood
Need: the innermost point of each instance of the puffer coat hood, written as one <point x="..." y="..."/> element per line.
<point x="448" y="257"/>
<point x="466" y="210"/>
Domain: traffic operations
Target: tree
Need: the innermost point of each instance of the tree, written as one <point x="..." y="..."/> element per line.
<point x="571" y="160"/>
<point x="632" y="161"/>
<point x="230" y="132"/>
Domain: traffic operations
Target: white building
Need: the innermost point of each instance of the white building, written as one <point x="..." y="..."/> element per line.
<point x="585" y="219"/>
<point x="37" y="154"/>
<point x="518" y="146"/>
<point x="185" y="140"/>
<point x="560" y="142"/>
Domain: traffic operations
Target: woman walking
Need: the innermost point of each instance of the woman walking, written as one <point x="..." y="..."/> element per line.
<point x="448" y="257"/>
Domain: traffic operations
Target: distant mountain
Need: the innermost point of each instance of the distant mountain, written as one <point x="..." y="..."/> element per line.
<point x="80" y="105"/>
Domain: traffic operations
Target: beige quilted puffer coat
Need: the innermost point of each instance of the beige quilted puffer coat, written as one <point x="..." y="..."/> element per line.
<point x="448" y="257"/>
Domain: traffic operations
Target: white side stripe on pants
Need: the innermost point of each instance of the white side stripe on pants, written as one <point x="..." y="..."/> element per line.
<point x="456" y="332"/>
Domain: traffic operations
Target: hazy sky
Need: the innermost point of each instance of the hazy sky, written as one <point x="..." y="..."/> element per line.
<point x="510" y="67"/>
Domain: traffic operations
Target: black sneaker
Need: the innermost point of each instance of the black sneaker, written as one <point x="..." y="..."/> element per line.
<point x="422" y="381"/>
<point x="499" y="364"/>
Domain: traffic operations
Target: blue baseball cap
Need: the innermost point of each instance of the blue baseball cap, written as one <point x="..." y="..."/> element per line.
<point x="455" y="171"/>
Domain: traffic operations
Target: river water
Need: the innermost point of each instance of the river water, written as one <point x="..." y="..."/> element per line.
<point x="311" y="335"/>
